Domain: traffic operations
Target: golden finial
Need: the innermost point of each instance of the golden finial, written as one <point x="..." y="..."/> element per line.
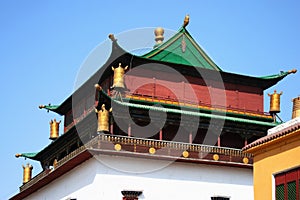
<point x="159" y="35"/>
<point x="275" y="102"/>
<point x="18" y="155"/>
<point x="27" y="171"/>
<point x="119" y="72"/>
<point x="186" y="21"/>
<point x="103" y="119"/>
<point x="112" y="37"/>
<point x="41" y="106"/>
<point x="292" y="71"/>
<point x="98" y="87"/>
<point x="55" y="163"/>
<point x="54" y="129"/>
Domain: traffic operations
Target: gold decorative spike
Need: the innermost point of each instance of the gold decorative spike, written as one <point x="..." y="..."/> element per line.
<point x="112" y="37"/>
<point x="152" y="150"/>
<point x="185" y="154"/>
<point x="186" y="21"/>
<point x="119" y="76"/>
<point x="275" y="102"/>
<point x="54" y="129"/>
<point x="296" y="107"/>
<point x="27" y="171"/>
<point x="118" y="147"/>
<point x="216" y="157"/>
<point x="159" y="35"/>
<point x="103" y="118"/>
<point x="245" y="160"/>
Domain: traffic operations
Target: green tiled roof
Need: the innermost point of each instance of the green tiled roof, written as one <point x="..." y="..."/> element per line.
<point x="182" y="49"/>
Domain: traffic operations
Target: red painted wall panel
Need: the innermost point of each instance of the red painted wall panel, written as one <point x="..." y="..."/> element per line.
<point x="191" y="89"/>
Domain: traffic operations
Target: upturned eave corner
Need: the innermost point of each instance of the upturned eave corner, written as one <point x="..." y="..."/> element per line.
<point x="31" y="155"/>
<point x="49" y="107"/>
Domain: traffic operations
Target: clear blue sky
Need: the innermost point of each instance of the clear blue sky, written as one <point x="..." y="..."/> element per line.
<point x="44" y="43"/>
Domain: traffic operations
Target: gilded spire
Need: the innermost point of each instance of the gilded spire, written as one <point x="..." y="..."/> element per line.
<point x="54" y="129"/>
<point x="27" y="171"/>
<point x="112" y="37"/>
<point x="159" y="35"/>
<point x="275" y="102"/>
<point x="186" y="21"/>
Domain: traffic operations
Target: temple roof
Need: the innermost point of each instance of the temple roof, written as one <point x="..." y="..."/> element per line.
<point x="183" y="53"/>
<point x="278" y="132"/>
<point x="182" y="49"/>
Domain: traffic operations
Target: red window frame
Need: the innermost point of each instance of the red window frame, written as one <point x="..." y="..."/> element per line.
<point x="288" y="177"/>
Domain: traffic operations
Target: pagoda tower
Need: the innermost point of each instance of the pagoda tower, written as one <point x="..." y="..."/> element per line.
<point x="171" y="104"/>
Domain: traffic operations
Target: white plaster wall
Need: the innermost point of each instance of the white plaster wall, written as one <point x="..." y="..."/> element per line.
<point x="103" y="181"/>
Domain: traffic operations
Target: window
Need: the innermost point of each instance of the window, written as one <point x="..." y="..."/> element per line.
<point x="220" y="198"/>
<point x="131" y="195"/>
<point x="287" y="185"/>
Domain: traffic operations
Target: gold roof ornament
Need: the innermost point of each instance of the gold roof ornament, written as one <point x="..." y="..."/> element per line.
<point x="18" y="155"/>
<point x="41" y="106"/>
<point x="98" y="87"/>
<point x="296" y="107"/>
<point x="103" y="119"/>
<point x="119" y="76"/>
<point x="159" y="35"/>
<point x="292" y="71"/>
<point x="55" y="164"/>
<point x="112" y="37"/>
<point x="186" y="21"/>
<point x="54" y="129"/>
<point x="27" y="172"/>
<point x="275" y="102"/>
